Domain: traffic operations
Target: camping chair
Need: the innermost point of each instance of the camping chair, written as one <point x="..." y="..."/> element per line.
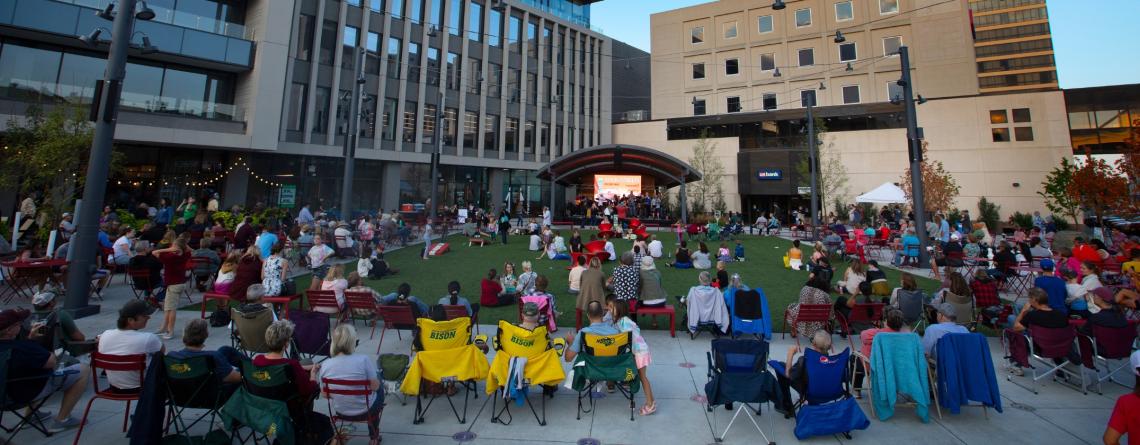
<point x="704" y="324"/>
<point x="17" y="407"/>
<point x="737" y="374"/>
<point x="393" y="368"/>
<point x="396" y="317"/>
<point x="963" y="309"/>
<point x="1045" y="345"/>
<point x="542" y="368"/>
<point x="350" y="388"/>
<point x="359" y="305"/>
<point x="326" y="299"/>
<point x="863" y="314"/>
<point x="912" y="304"/>
<point x="310" y="334"/>
<point x="108" y="362"/>
<point x="247" y="330"/>
<point x="605" y="358"/>
<point x="1107" y="344"/>
<point x="749" y="312"/>
<point x="808" y="313"/>
<point x="141" y="284"/>
<point x="192" y="384"/>
<point x="268" y="419"/>
<point x="965" y="372"/>
<point x="825" y="406"/>
<point x="458" y="310"/>
<point x="277" y="382"/>
<point x="445" y="360"/>
<point x="897" y="360"/>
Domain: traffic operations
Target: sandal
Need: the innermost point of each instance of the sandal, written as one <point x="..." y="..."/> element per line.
<point x="648" y="409"/>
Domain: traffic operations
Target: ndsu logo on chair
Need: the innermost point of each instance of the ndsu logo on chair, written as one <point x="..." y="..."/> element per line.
<point x="261" y="376"/>
<point x="179" y="368"/>
<point x="524" y="342"/>
<point x="606" y="341"/>
<point x="447" y="334"/>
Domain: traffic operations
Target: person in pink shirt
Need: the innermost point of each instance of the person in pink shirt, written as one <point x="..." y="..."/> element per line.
<point x="895" y="323"/>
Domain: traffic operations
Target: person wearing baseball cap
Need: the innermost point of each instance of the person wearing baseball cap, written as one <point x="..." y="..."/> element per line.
<point x="30" y="366"/>
<point x="1125" y="418"/>
<point x="1053" y="285"/>
<point x="128" y="339"/>
<point x="947" y="324"/>
<point x="44" y="308"/>
<point x="529" y="316"/>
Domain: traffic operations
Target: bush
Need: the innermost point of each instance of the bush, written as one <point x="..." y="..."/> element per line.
<point x="1021" y="220"/>
<point x="1061" y="223"/>
<point x="989" y="213"/>
<point x="868" y="211"/>
<point x="954" y="217"/>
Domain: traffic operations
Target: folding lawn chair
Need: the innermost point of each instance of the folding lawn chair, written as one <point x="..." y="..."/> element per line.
<point x="445" y="360"/>
<point x="749" y="312"/>
<point x="1106" y="345"/>
<point x="738" y="373"/>
<point x="912" y="304"/>
<point x="1046" y="346"/>
<point x="17" y="407"/>
<point x="393" y="368"/>
<point x="192" y="384"/>
<point x="897" y="361"/>
<point x="605" y="358"/>
<point x="267" y="419"/>
<point x="965" y="372"/>
<point x="863" y="314"/>
<point x="310" y="334"/>
<point x="542" y="367"/>
<point x="825" y="407"/>
<point x="247" y="330"/>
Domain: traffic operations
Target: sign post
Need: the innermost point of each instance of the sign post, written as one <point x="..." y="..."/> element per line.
<point x="287" y="196"/>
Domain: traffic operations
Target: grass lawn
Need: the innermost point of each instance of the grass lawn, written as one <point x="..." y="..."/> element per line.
<point x="468" y="265"/>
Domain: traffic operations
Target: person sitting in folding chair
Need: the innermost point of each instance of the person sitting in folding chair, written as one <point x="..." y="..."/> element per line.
<point x="749" y="310"/>
<point x="30" y="377"/>
<point x="825" y="406"/>
<point x="227" y="359"/>
<point x="738" y="373"/>
<point x="199" y="379"/>
<point x="445" y="359"/>
<point x="1125" y="417"/>
<point x="525" y="357"/>
<point x="619" y="313"/>
<point x="706" y="307"/>
<point x="346" y="365"/>
<point x="794" y="376"/>
<point x="300" y="397"/>
<point x="947" y="324"/>
<point x="1036" y="313"/>
<point x="601" y="353"/>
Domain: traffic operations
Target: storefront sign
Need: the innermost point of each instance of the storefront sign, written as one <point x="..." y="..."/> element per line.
<point x="804" y="190"/>
<point x="770" y="174"/>
<point x="287" y="196"/>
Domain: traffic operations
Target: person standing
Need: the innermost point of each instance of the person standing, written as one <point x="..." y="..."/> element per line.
<point x="188" y="208"/>
<point x="165" y="215"/>
<point x="504" y="224"/>
<point x="266" y="240"/>
<point x="66" y="227"/>
<point x="547" y="217"/>
<point x="427" y="240"/>
<point x="174" y="260"/>
<point x="213" y="204"/>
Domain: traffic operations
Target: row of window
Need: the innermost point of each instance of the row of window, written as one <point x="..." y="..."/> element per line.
<point x="990" y="5"/>
<point x="1038" y="29"/>
<point x="1046" y="77"/>
<point x="1016" y="63"/>
<point x="851" y="94"/>
<point x="848" y="52"/>
<point x="1011" y="17"/>
<point x="844" y="11"/>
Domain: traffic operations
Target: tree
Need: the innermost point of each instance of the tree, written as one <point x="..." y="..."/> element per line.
<point x="708" y="191"/>
<point x="939" y="187"/>
<point x="1055" y="190"/>
<point x="1099" y="187"/>
<point x="832" y="172"/>
<point x="46" y="154"/>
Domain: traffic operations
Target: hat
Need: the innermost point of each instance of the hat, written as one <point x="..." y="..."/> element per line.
<point x="66" y="214"/>
<point x="43" y="298"/>
<point x="955" y="236"/>
<point x="946" y="309"/>
<point x="1134" y="361"/>
<point x="9" y="317"/>
<point x="1047" y="264"/>
<point x="530" y="310"/>
<point x="134" y="308"/>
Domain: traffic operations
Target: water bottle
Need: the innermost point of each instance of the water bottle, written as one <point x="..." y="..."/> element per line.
<point x="990" y="253"/>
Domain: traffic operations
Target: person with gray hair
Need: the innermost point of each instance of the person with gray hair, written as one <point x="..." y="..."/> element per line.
<point x="227" y="360"/>
<point x="706" y="305"/>
<point x="277" y="338"/>
<point x="626" y="279"/>
<point x="253" y="301"/>
<point x="346" y="365"/>
<point x="795" y="374"/>
<point x="947" y="324"/>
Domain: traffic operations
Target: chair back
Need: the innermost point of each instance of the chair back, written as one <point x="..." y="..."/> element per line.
<point x="191" y="381"/>
<point x="739" y="356"/>
<point x="607" y="345"/>
<point x="911" y="303"/>
<point x="1052" y="342"/>
<point x="850" y="247"/>
<point x="963" y="307"/>
<point x="140" y="279"/>
<point x="516" y="341"/>
<point x="434" y="335"/>
<point x="595" y="246"/>
<point x="747" y="305"/>
<point x="356" y="300"/>
<point x="814" y="313"/>
<point x="272" y="382"/>
<point x="1114" y="343"/>
<point x="116" y="363"/>
<point x="250" y="327"/>
<point x="455" y="311"/>
<point x="825" y="375"/>
<point x="198" y="262"/>
<point x="397" y="316"/>
<point x="867" y="313"/>
<point x="332" y="388"/>
<point x="311" y="332"/>
<point x="322" y="299"/>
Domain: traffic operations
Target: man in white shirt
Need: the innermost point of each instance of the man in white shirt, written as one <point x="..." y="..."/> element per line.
<point x="547" y="217"/>
<point x="128" y="339"/>
<point x="654" y="247"/>
<point x="576" y="275"/>
<point x="610" y="250"/>
<point x="122" y="246"/>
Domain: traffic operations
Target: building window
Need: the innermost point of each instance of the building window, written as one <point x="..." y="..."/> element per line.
<point x="511" y="136"/>
<point x="698" y="107"/>
<point x="847" y="52"/>
<point x="455" y="27"/>
<point x="297" y="93"/>
<point x="894" y="91"/>
<point x="891" y="45"/>
<point x="803" y="17"/>
<point x="321" y="118"/>
<point x="303" y="38"/>
<point x="433" y="66"/>
<point x="767" y="62"/>
<point x="888" y="6"/>
<point x="495" y="28"/>
<point x="393" y="58"/>
<point x="372" y="53"/>
<point x="470" y="129"/>
<point x="807" y="97"/>
<point x="733" y="104"/>
<point x="998" y="117"/>
<point x="764" y="24"/>
<point x="348" y="56"/>
<point x="807" y="57"/>
<point x="851" y="94"/>
<point x="698" y="33"/>
<point x="474" y="76"/>
<point x="413" y="61"/>
<point x="1021" y="115"/>
<point x="494" y="80"/>
<point x="731" y="67"/>
<point x="528" y="138"/>
<point x="475" y="22"/>
<point x="450" y="115"/>
<point x="770" y="101"/>
<point x="428" y="127"/>
<point x="698" y="71"/>
<point x="544" y="136"/>
<point x="490" y="132"/>
<point x="397" y="8"/>
<point x="454" y="73"/>
<point x="514" y="33"/>
<point x="410" y="110"/>
<point x="328" y="42"/>
<point x="376" y="5"/>
<point x="1023" y="133"/>
<point x="844" y="11"/>
<point x="730" y="30"/>
<point x="389" y="123"/>
<point x="417" y="13"/>
<point x="532" y="40"/>
<point x="1000" y="134"/>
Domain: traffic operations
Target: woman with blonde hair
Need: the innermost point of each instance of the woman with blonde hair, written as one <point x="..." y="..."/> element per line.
<point x="819" y="251"/>
<point x="226" y="273"/>
<point x="335" y="282"/>
<point x="526" y="279"/>
<point x="345" y="364"/>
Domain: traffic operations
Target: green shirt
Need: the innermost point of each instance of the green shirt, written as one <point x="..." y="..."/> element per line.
<point x="66" y="323"/>
<point x="190" y="211"/>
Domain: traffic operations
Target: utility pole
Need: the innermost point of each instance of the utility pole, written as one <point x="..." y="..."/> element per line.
<point x="914" y="148"/>
<point x="351" y="138"/>
<point x="85" y="242"/>
<point x="813" y="161"/>
<point x="435" y="154"/>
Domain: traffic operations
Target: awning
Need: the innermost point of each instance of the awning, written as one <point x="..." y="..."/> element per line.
<point x="887" y="193"/>
<point x="619" y="158"/>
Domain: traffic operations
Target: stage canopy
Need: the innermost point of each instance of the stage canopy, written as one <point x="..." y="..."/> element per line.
<point x="887" y="193"/>
<point x="619" y="158"/>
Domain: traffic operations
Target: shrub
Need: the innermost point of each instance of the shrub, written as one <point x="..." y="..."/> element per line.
<point x="1021" y="220"/>
<point x="1061" y="223"/>
<point x="989" y="213"/>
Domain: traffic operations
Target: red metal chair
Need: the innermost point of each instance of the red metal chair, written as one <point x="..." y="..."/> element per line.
<point x="1105" y="345"/>
<point x="357" y="304"/>
<point x="460" y="311"/>
<point x="808" y="313"/>
<point x="864" y="313"/>
<point x="397" y="317"/>
<point x="351" y="388"/>
<point x="141" y="282"/>
<point x="108" y="362"/>
<point x="324" y="299"/>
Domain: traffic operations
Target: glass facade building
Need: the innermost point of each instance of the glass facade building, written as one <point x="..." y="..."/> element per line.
<point x="1103" y="119"/>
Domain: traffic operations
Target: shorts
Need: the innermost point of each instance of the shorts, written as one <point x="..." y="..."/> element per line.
<point x="642" y="359"/>
<point x="173" y="296"/>
<point x="71" y="376"/>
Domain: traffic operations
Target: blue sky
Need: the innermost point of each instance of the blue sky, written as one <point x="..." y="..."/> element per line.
<point x="1093" y="45"/>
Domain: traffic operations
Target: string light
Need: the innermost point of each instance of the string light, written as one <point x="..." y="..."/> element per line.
<point x="239" y="164"/>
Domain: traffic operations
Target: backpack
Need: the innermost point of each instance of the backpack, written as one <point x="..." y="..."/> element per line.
<point x="219" y="318"/>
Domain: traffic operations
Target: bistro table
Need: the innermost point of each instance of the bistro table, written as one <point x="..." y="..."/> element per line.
<point x="23" y="276"/>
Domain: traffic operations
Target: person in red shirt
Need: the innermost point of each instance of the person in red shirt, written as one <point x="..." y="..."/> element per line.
<point x="174" y="260"/>
<point x="1084" y="252"/>
<point x="1125" y="417"/>
<point x="491" y="290"/>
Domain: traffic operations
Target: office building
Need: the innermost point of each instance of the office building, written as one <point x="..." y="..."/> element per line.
<point x="1014" y="46"/>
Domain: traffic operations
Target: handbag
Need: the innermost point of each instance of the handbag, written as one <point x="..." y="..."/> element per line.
<point x="289" y="287"/>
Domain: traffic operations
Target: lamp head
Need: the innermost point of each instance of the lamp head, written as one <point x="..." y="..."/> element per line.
<point x="147" y="47"/>
<point x="839" y="37"/>
<point x="778" y="5"/>
<point x="144" y="12"/>
<point x="107" y="13"/>
<point x="92" y="38"/>
<point x="850" y="68"/>
<point x="777" y="73"/>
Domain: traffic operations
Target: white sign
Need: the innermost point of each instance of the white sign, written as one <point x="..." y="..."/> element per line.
<point x="287" y="196"/>
<point x="804" y="190"/>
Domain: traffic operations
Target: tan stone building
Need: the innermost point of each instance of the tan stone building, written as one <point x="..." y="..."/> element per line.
<point x="742" y="73"/>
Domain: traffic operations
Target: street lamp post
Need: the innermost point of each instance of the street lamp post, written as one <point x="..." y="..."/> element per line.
<point x="914" y="148"/>
<point x="435" y="154"/>
<point x="814" y="169"/>
<point x="84" y="244"/>
<point x="350" y="139"/>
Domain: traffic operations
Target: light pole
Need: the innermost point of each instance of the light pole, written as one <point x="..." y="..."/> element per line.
<point x="814" y="169"/>
<point x="350" y="139"/>
<point x="435" y="154"/>
<point x="104" y="108"/>
<point x="914" y="148"/>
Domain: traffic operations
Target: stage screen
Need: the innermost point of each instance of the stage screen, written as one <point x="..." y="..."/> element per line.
<point x="609" y="186"/>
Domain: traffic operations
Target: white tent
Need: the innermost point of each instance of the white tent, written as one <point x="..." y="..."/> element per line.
<point x="887" y="193"/>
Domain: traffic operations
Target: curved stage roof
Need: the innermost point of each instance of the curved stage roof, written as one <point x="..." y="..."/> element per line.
<point x="619" y="158"/>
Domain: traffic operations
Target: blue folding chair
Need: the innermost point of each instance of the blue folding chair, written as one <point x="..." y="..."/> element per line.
<point x="826" y="407"/>
<point x="748" y="309"/>
<point x="737" y="374"/>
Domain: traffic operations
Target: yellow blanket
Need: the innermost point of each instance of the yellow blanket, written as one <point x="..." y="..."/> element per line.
<point x="542" y="369"/>
<point x="462" y="363"/>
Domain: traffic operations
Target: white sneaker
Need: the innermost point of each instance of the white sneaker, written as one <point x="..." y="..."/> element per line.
<point x="1015" y="370"/>
<point x="166" y="336"/>
<point x="55" y="426"/>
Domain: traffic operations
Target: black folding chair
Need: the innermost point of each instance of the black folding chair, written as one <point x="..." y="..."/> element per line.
<point x="191" y="383"/>
<point x="7" y="405"/>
